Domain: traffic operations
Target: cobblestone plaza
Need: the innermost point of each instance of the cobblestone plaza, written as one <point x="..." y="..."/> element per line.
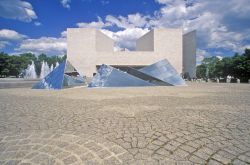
<point x="203" y="123"/>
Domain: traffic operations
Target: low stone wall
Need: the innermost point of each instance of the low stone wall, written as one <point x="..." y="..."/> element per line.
<point x="17" y="83"/>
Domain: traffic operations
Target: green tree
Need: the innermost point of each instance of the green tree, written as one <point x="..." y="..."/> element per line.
<point x="207" y="64"/>
<point x="241" y="66"/>
<point x="5" y="72"/>
<point x="224" y="68"/>
<point x="201" y="71"/>
<point x="247" y="53"/>
<point x="237" y="66"/>
<point x="210" y="64"/>
<point x="42" y="57"/>
<point x="3" y="63"/>
<point x="15" y="64"/>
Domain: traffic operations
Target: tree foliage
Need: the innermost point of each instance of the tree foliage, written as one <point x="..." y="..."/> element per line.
<point x="13" y="65"/>
<point x="237" y="66"/>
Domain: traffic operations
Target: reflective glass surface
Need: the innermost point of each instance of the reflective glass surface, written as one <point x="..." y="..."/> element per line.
<point x="69" y="68"/>
<point x="164" y="71"/>
<point x="70" y="81"/>
<point x="108" y="76"/>
<point x="146" y="77"/>
<point x="54" y="80"/>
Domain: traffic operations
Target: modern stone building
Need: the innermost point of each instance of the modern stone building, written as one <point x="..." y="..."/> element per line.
<point x="90" y="48"/>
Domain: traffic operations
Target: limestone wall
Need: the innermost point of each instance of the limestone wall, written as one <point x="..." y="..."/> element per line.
<point x="189" y="53"/>
<point x="168" y="43"/>
<point x="89" y="47"/>
<point x="146" y="42"/>
<point x="103" y="42"/>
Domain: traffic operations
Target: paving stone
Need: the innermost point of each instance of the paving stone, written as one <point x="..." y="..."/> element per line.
<point x="103" y="153"/>
<point x="170" y="147"/>
<point x="158" y="142"/>
<point x="187" y="148"/>
<point x="125" y="157"/>
<point x="117" y="149"/>
<point x="239" y="162"/>
<point x="198" y="124"/>
<point x="87" y="156"/>
<point x="12" y="162"/>
<point x="214" y="162"/>
<point x="70" y="160"/>
<point x="197" y="160"/>
<point x="181" y="153"/>
<point x="184" y="163"/>
<point x="245" y="158"/>
<point x="43" y="159"/>
<point x="201" y="154"/>
<point x="163" y="152"/>
<point x="111" y="160"/>
<point x="221" y="159"/>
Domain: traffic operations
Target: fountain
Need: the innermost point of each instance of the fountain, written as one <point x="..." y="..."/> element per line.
<point x="45" y="70"/>
<point x="51" y="67"/>
<point x="30" y="72"/>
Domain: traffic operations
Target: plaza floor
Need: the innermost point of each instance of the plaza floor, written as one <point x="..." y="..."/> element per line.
<point x="203" y="123"/>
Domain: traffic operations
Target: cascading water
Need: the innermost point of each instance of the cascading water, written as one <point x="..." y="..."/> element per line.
<point x="30" y="72"/>
<point x="57" y="64"/>
<point x="45" y="70"/>
<point x="51" y="67"/>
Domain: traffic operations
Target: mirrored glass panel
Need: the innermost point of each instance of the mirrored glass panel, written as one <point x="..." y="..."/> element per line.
<point x="108" y="76"/>
<point x="54" y="80"/>
<point x="164" y="71"/>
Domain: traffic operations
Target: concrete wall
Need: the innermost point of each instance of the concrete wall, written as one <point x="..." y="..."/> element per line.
<point x="89" y="47"/>
<point x="168" y="42"/>
<point x="127" y="58"/>
<point x="81" y="49"/>
<point x="189" y="53"/>
<point x="103" y="42"/>
<point x="146" y="42"/>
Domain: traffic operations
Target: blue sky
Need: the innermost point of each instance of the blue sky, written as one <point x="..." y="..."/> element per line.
<point x="39" y="26"/>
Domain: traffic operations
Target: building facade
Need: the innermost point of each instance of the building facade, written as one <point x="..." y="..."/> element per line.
<point x="90" y="48"/>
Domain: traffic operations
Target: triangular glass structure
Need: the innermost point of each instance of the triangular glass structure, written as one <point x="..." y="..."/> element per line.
<point x="69" y="68"/>
<point x="53" y="80"/>
<point x="70" y="81"/>
<point x="146" y="77"/>
<point x="164" y="71"/>
<point x="72" y="77"/>
<point x="62" y="76"/>
<point x="108" y="76"/>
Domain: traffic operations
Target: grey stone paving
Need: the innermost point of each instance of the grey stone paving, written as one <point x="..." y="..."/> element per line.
<point x="198" y="124"/>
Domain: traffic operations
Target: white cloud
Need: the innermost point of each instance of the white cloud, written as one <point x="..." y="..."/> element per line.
<point x="64" y="34"/>
<point x="3" y="44"/>
<point x="219" y="24"/>
<point x="66" y="3"/>
<point x="200" y="55"/>
<point x="7" y="37"/>
<point x="126" y="38"/>
<point x="17" y="9"/>
<point x="104" y="2"/>
<point x="98" y="24"/>
<point x="120" y="22"/>
<point x="37" y="23"/>
<point x="11" y="35"/>
<point x="47" y="45"/>
<point x="131" y="27"/>
<point x="131" y="21"/>
<point x="242" y="48"/>
<point x="219" y="57"/>
<point x="138" y="20"/>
